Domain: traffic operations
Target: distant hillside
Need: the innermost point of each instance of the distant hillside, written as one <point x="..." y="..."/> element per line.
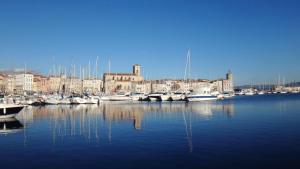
<point x="293" y="84"/>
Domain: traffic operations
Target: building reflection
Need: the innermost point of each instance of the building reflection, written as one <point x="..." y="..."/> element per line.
<point x="95" y="122"/>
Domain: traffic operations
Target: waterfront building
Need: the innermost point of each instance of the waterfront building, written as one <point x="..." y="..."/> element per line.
<point x="40" y="83"/>
<point x="117" y="82"/>
<point x="73" y="85"/>
<point x="92" y="85"/>
<point x="223" y="85"/>
<point x="54" y="84"/>
<point x="141" y="87"/>
<point x="163" y="86"/>
<point x="10" y="84"/>
<point x="228" y="82"/>
<point x="2" y="83"/>
<point x="23" y="82"/>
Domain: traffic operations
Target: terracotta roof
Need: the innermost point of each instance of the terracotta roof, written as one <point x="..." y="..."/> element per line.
<point x="120" y="74"/>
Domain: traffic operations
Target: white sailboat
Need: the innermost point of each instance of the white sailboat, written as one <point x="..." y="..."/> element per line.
<point x="78" y="100"/>
<point x="120" y="97"/>
<point x="91" y="100"/>
<point x="52" y="100"/>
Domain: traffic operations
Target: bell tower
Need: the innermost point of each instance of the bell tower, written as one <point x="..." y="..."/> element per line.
<point x="229" y="76"/>
<point x="137" y="70"/>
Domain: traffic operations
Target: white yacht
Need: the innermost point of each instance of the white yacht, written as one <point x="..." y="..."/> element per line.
<point x="249" y="93"/>
<point x="9" y="110"/>
<point x="78" y="100"/>
<point x="159" y="97"/>
<point x="261" y="93"/>
<point x="52" y="100"/>
<point x="91" y="100"/>
<point x="283" y="92"/>
<point x="65" y="101"/>
<point x="228" y="95"/>
<point x="202" y="94"/>
<point x="120" y="97"/>
<point x="177" y="96"/>
<point x="137" y="96"/>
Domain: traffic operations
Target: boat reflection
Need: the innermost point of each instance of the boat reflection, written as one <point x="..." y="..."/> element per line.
<point x="10" y="125"/>
<point x="91" y="121"/>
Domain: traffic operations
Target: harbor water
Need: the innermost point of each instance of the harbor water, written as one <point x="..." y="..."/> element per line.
<point x="242" y="132"/>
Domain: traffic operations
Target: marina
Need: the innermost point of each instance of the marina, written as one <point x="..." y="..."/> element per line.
<point x="237" y="130"/>
<point x="148" y="84"/>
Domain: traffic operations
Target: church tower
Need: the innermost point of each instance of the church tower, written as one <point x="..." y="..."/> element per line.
<point x="137" y="70"/>
<point x="229" y="76"/>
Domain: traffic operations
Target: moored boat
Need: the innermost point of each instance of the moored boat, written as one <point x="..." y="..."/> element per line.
<point x="120" y="97"/>
<point x="177" y="96"/>
<point x="202" y="94"/>
<point x="10" y="110"/>
<point x="158" y="96"/>
<point x="78" y="100"/>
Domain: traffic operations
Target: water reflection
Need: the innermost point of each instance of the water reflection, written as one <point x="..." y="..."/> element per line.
<point x="93" y="121"/>
<point x="10" y="125"/>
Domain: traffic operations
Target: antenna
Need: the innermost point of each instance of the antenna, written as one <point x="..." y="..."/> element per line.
<point x="96" y="68"/>
<point x="109" y="67"/>
<point x="89" y="69"/>
<point x="25" y="68"/>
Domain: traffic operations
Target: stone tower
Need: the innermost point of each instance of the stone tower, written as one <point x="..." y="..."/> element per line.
<point x="229" y="76"/>
<point x="137" y="70"/>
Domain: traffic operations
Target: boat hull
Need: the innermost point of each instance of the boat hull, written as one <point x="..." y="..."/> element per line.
<point x="119" y="98"/>
<point x="10" y="111"/>
<point x="201" y="98"/>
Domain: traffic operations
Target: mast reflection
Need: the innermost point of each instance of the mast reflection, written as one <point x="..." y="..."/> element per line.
<point x="95" y="122"/>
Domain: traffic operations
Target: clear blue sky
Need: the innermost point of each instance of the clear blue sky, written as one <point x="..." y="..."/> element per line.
<point x="257" y="40"/>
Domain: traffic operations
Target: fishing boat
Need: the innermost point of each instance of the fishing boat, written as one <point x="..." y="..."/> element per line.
<point x="10" y="110"/>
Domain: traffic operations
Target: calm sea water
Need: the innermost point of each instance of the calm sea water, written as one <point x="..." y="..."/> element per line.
<point x="244" y="132"/>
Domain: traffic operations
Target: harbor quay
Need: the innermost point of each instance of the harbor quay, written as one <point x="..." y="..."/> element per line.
<point x="20" y="82"/>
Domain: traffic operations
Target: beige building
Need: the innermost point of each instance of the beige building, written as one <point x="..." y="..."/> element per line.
<point x="40" y="84"/>
<point x="2" y="82"/>
<point x="224" y="85"/>
<point x="23" y="82"/>
<point x="54" y="84"/>
<point x="10" y="84"/>
<point x="92" y="85"/>
<point x="141" y="87"/>
<point x="122" y="82"/>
